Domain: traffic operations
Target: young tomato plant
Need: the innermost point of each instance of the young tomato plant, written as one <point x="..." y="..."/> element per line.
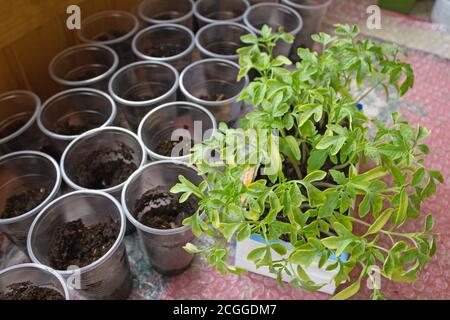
<point x="310" y="176"/>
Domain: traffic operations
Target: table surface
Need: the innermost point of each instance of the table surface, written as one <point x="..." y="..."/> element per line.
<point x="428" y="48"/>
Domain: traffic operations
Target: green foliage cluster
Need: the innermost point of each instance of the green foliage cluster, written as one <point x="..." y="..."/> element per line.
<point x="325" y="141"/>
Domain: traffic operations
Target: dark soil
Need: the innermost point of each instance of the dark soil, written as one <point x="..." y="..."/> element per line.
<point x="163" y="50"/>
<point x="140" y="97"/>
<point x="75" y="244"/>
<point x="213" y="97"/>
<point x="67" y="128"/>
<point x="165" y="147"/>
<point x="12" y="127"/>
<point x="110" y="35"/>
<point x="160" y="209"/>
<point x="27" y="291"/>
<point x="105" y="168"/>
<point x="21" y="203"/>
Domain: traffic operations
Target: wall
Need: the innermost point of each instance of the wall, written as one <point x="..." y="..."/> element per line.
<point x="32" y="32"/>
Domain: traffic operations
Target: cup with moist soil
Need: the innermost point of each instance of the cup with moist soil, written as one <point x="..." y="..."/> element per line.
<point x="158" y="215"/>
<point x="80" y="235"/>
<point x="70" y="113"/>
<point x="113" y="28"/>
<point x="171" y="43"/>
<point x="212" y="83"/>
<point x="274" y="15"/>
<point x="142" y="86"/>
<point x="171" y="130"/>
<point x="31" y="281"/>
<point x="29" y="180"/>
<point x="18" y="129"/>
<point x="85" y="65"/>
<point x="221" y="40"/>
<point x="167" y="11"/>
<point x="210" y="11"/>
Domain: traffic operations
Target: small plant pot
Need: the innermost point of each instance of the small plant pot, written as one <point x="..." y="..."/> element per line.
<point x="68" y="114"/>
<point x="163" y="248"/>
<point x="210" y="11"/>
<point x="169" y="131"/>
<point x="318" y="275"/>
<point x="221" y="40"/>
<point x="212" y="83"/>
<point x="167" y="11"/>
<point x="275" y="16"/>
<point x="35" y="275"/>
<point x="312" y="13"/>
<point x="29" y="180"/>
<point x="142" y="86"/>
<point x="85" y="65"/>
<point x="171" y="43"/>
<point x="18" y="129"/>
<point x="114" y="29"/>
<point x="94" y="273"/>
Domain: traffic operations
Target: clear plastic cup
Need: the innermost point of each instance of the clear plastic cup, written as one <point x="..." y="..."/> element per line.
<point x="312" y="13"/>
<point x="170" y="43"/>
<point x="163" y="248"/>
<point x="18" y="128"/>
<point x="109" y="277"/>
<point x="167" y="11"/>
<point x="114" y="29"/>
<point x="275" y="16"/>
<point x="209" y="11"/>
<point x="19" y="172"/>
<point x="68" y="114"/>
<point x="85" y="65"/>
<point x="98" y="139"/>
<point x="178" y="121"/>
<point x="37" y="274"/>
<point x="221" y="40"/>
<point x="212" y="83"/>
<point x="140" y="87"/>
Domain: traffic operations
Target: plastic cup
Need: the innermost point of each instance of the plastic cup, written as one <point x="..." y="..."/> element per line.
<point x="221" y="40"/>
<point x="173" y="121"/>
<point x="209" y="11"/>
<point x="107" y="278"/>
<point x="85" y="108"/>
<point x="170" y="43"/>
<point x="312" y="13"/>
<point x="98" y="139"/>
<point x="114" y="29"/>
<point x="253" y="2"/>
<point x="21" y="171"/>
<point x="140" y="87"/>
<point x="275" y="16"/>
<point x="37" y="274"/>
<point x="167" y="11"/>
<point x="163" y="248"/>
<point x="85" y="65"/>
<point x="18" y="129"/>
<point x="212" y="83"/>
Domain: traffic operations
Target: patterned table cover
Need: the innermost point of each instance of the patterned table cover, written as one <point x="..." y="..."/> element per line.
<point x="428" y="103"/>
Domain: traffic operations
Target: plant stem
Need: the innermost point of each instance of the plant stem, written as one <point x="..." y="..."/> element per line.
<point x="365" y="94"/>
<point x="324" y="185"/>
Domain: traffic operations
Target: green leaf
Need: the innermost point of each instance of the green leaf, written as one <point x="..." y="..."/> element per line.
<point x="401" y="214"/>
<point x="317" y="175"/>
<point x="335" y="143"/>
<point x="294" y="147"/>
<point x="429" y="222"/>
<point x="244" y="233"/>
<point x="192" y="249"/>
<point x="317" y="159"/>
<point x="256" y="254"/>
<point x="380" y="222"/>
<point x="279" y="248"/>
<point x="348" y="292"/>
<point x="229" y="229"/>
<point x="418" y="177"/>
